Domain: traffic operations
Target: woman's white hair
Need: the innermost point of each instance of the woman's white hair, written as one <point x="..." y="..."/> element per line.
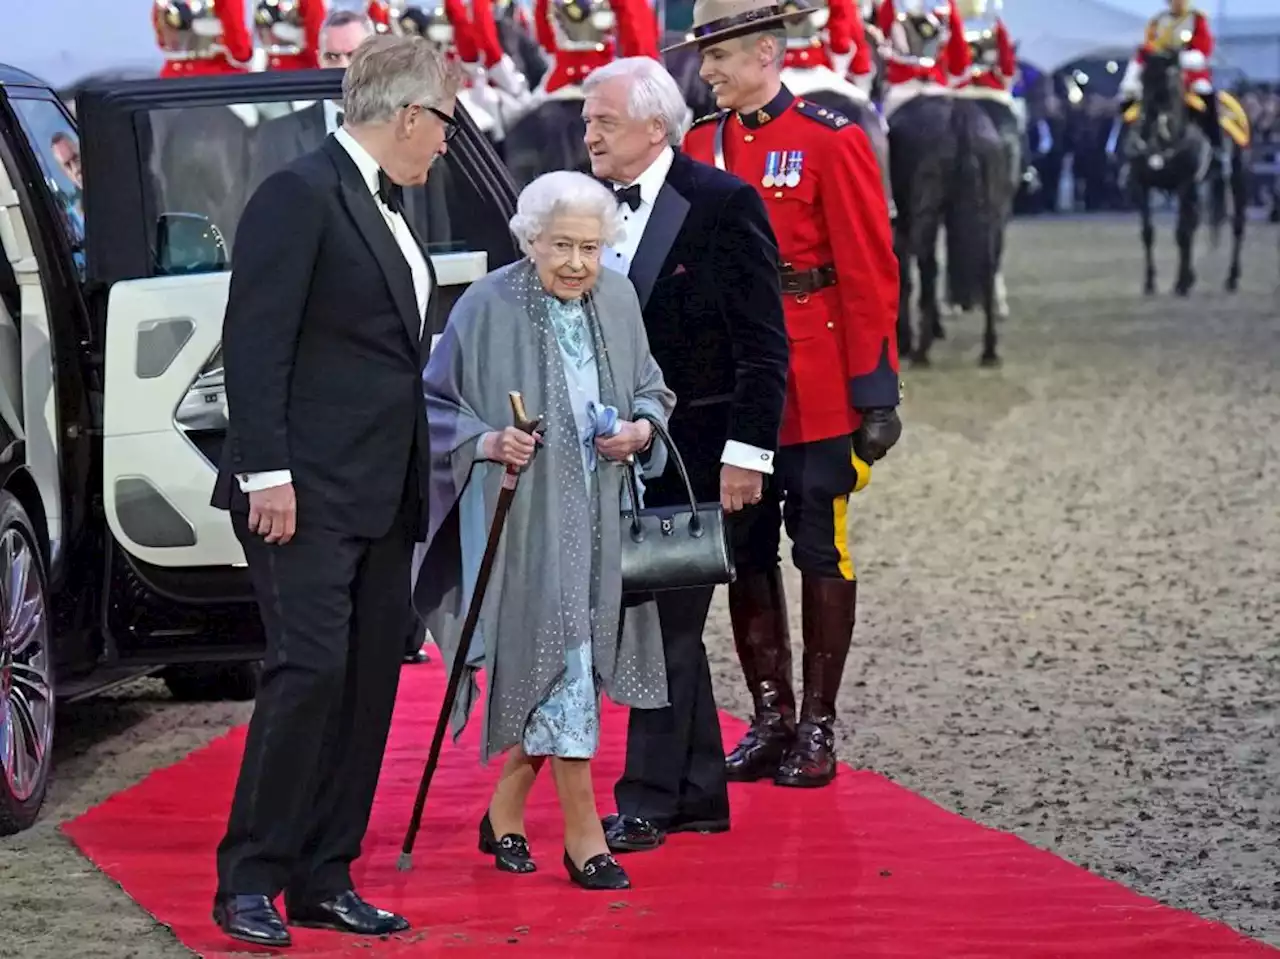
<point x="389" y="72"/>
<point x="562" y="193"/>
<point x="651" y="93"/>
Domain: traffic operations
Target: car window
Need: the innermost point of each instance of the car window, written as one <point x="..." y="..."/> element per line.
<point x="208" y="160"/>
<point x="57" y="148"/>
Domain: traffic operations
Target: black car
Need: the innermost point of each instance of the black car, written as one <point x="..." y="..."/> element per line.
<point x="116" y="230"/>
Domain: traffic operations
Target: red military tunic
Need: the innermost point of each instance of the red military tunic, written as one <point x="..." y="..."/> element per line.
<point x="312" y="14"/>
<point x="229" y="53"/>
<point x="572" y="65"/>
<point x="827" y="207"/>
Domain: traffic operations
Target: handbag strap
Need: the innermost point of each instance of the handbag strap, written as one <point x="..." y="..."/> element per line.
<point x="660" y="430"/>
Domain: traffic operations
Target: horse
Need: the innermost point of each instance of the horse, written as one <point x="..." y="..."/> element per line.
<point x="949" y="168"/>
<point x="1167" y="150"/>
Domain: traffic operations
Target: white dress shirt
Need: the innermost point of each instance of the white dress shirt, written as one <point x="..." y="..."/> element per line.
<point x="619" y="256"/>
<point x="368" y="167"/>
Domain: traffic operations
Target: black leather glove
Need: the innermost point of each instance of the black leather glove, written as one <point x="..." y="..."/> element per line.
<point x="876" y="435"/>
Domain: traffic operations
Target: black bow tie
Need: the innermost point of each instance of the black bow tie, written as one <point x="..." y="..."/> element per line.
<point x="391" y="194"/>
<point x="630" y="195"/>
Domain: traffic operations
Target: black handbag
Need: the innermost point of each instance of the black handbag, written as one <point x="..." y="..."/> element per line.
<point x="673" y="547"/>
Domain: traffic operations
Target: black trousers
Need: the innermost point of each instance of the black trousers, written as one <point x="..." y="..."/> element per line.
<point x="335" y="609"/>
<point x="809" y="495"/>
<point x="675" y="757"/>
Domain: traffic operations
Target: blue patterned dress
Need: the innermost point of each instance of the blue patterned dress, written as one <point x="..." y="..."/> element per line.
<point x="567" y="723"/>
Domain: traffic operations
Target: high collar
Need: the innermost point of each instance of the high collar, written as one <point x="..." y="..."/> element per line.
<point x="770" y="111"/>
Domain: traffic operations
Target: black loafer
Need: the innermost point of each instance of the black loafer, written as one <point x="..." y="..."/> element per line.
<point x="251" y="919"/>
<point x="599" y="872"/>
<point x="632" y="834"/>
<point x="510" y="853"/>
<point x="347" y="912"/>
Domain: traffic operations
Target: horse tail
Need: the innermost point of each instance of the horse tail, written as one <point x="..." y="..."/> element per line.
<point x="1218" y="201"/>
<point x="970" y="212"/>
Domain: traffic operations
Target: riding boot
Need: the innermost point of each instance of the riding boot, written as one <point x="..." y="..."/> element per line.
<point x="1213" y="129"/>
<point x="758" y="611"/>
<point x="828" y="609"/>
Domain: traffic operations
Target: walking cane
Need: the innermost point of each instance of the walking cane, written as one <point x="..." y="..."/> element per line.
<point x="509" y="481"/>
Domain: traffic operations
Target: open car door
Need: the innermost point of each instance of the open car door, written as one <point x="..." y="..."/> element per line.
<point x="168" y="167"/>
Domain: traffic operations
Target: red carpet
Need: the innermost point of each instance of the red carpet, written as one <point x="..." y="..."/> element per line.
<point x="863" y="868"/>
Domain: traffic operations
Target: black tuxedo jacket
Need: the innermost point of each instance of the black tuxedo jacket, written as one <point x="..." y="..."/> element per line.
<point x="322" y="352"/>
<point x="706" y="272"/>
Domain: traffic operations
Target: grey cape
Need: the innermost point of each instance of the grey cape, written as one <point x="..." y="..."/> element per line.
<point x="558" y="540"/>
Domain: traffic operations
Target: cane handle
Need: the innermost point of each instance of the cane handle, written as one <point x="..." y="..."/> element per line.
<point x="520" y="415"/>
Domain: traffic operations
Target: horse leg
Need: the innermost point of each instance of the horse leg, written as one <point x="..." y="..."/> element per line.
<point x="1188" y="222"/>
<point x="1148" y="238"/>
<point x="901" y="238"/>
<point x="1239" y="216"/>
<point x="930" y="320"/>
<point x="990" y="305"/>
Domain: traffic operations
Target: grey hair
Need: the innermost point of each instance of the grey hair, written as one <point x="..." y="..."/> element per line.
<point x="559" y="193"/>
<point x="389" y="72"/>
<point x="341" y="18"/>
<point x="652" y="93"/>
<point x="779" y="38"/>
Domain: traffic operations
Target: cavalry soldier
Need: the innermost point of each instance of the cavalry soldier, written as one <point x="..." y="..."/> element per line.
<point x="447" y="25"/>
<point x="289" y="32"/>
<point x="994" y="60"/>
<point x="1184" y="31"/>
<point x="817" y="174"/>
<point x="925" y="50"/>
<point x="828" y="38"/>
<point x="202" y="37"/>
<point x="579" y="37"/>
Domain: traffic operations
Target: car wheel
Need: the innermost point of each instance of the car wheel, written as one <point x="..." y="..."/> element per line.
<point x="26" y="672"/>
<point x="211" y="682"/>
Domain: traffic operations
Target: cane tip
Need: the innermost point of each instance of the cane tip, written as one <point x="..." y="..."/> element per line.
<point x="405" y="862"/>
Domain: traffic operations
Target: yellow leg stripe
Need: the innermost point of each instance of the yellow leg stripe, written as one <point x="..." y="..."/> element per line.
<point x="862" y="474"/>
<point x="840" y="511"/>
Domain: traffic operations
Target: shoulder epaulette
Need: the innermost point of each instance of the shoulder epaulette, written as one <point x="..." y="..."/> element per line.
<point x="708" y="118"/>
<point x="824" y="115"/>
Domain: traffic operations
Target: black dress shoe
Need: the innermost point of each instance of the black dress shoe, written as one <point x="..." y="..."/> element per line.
<point x="251" y="919"/>
<point x="510" y="853"/>
<point x="346" y="912"/>
<point x="632" y="834"/>
<point x="599" y="872"/>
<point x="417" y="657"/>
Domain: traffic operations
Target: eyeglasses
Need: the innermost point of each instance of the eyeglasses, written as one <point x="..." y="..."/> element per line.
<point x="451" y="125"/>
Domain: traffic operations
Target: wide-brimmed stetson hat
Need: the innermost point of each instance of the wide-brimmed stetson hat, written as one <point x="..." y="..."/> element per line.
<point x="715" y="20"/>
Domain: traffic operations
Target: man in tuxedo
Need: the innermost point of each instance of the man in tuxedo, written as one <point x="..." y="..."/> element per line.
<point x="700" y="252"/>
<point x="283" y="139"/>
<point x="322" y="472"/>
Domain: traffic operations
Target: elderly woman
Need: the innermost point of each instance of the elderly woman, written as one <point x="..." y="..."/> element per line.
<point x="551" y="635"/>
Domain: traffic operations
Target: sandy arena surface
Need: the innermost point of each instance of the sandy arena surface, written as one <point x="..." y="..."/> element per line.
<point x="1069" y="621"/>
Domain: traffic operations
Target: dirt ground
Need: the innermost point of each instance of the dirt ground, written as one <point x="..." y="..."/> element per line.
<point x="1068" y="626"/>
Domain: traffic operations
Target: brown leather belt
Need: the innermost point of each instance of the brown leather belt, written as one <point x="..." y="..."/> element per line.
<point x="804" y="282"/>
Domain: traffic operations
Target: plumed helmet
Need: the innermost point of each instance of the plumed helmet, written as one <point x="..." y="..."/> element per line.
<point x="582" y="24"/>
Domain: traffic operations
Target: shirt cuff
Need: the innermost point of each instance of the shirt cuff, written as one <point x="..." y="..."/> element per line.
<point x="253" y="482"/>
<point x="747" y="457"/>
